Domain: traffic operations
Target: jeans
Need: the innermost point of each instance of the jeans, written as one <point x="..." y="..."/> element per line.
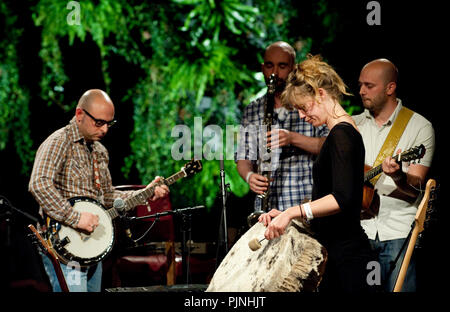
<point x="78" y="279"/>
<point x="387" y="252"/>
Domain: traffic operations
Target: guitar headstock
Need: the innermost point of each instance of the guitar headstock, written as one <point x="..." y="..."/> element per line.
<point x="414" y="153"/>
<point x="426" y="205"/>
<point x="192" y="167"/>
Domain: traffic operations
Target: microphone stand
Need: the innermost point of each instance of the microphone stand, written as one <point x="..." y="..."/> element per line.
<point x="185" y="253"/>
<point x="8" y="216"/>
<point x="185" y="228"/>
<point x="9" y="213"/>
<point x="6" y="203"/>
<point x="223" y="229"/>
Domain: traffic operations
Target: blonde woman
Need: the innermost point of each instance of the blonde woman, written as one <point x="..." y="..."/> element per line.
<point x="315" y="90"/>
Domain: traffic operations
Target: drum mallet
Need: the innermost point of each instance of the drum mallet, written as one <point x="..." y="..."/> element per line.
<point x="255" y="244"/>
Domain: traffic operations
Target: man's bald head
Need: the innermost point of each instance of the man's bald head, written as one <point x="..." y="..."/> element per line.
<point x="286" y="47"/>
<point x="94" y="114"/>
<point x="378" y="86"/>
<point x="91" y="96"/>
<point x="384" y="69"/>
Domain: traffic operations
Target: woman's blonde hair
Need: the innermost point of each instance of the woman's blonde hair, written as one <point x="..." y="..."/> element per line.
<point x="306" y="79"/>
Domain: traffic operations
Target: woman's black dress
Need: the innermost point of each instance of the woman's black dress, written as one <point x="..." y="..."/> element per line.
<point x="339" y="170"/>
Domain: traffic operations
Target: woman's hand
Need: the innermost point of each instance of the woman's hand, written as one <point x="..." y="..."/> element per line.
<point x="266" y="218"/>
<point x="277" y="226"/>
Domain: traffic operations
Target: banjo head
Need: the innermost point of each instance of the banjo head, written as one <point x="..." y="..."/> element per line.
<point x="88" y="249"/>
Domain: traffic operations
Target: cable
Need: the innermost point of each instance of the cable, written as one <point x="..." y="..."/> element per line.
<point x="147" y="231"/>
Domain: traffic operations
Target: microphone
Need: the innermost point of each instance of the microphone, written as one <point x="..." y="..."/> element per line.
<point x="119" y="205"/>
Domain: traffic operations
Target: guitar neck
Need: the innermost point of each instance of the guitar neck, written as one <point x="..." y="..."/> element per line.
<point x="148" y="192"/>
<point x="136" y="200"/>
<point x="409" y="155"/>
<point x="370" y="174"/>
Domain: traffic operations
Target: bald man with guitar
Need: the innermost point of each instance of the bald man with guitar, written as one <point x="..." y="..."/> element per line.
<point x="393" y="136"/>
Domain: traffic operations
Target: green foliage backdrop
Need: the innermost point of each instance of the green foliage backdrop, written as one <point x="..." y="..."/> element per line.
<point x="196" y="57"/>
<point x="14" y="101"/>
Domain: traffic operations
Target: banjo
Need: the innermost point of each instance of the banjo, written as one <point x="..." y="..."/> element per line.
<point x="78" y="248"/>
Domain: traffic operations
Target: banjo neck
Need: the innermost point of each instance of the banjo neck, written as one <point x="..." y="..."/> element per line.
<point x="135" y="200"/>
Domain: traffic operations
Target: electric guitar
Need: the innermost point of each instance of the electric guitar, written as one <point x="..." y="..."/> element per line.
<point x="370" y="203"/>
<point x="88" y="249"/>
<point x="419" y="220"/>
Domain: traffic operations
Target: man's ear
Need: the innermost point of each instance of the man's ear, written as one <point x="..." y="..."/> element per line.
<point x="78" y="114"/>
<point x="390" y="88"/>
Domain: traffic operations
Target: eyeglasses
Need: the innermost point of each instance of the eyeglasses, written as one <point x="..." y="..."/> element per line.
<point x="100" y="122"/>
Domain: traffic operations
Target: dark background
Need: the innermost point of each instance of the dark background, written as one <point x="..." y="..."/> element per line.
<point x="412" y="36"/>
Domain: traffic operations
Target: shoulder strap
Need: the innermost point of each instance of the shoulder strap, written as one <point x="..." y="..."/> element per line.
<point x="393" y="138"/>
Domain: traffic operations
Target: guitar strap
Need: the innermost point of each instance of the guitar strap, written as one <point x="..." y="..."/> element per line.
<point x="96" y="171"/>
<point x="393" y="138"/>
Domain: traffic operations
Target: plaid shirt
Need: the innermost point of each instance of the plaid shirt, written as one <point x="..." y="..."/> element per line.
<point x="291" y="167"/>
<point x="63" y="168"/>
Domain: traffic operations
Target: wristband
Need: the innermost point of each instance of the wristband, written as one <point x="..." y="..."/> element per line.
<point x="248" y="176"/>
<point x="301" y="211"/>
<point x="308" y="212"/>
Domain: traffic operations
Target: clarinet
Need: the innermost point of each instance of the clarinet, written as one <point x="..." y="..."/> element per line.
<point x="264" y="161"/>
